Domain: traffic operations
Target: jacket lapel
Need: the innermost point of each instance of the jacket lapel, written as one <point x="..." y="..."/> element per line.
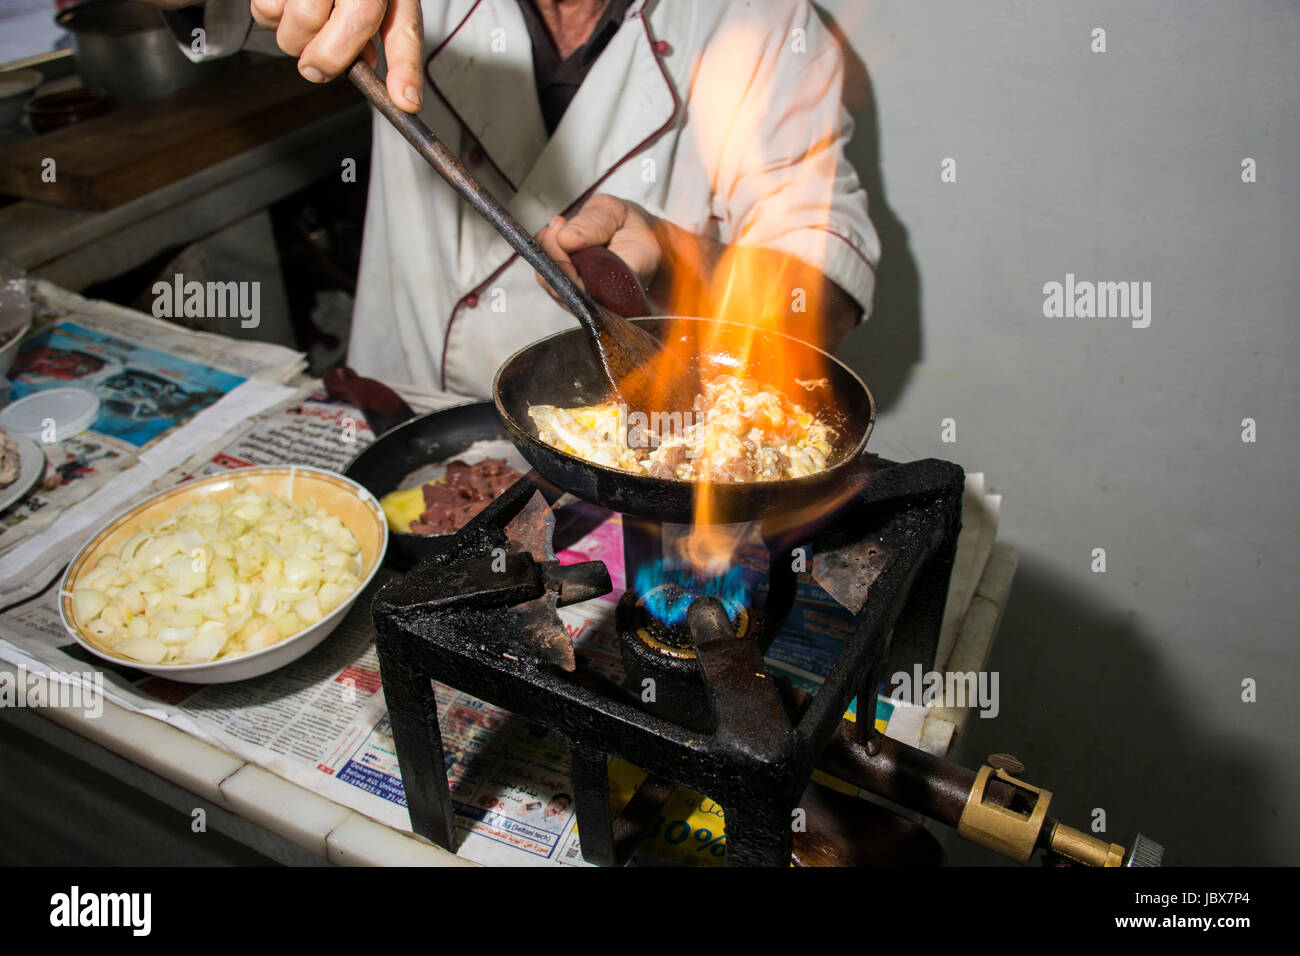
<point x="484" y="73"/>
<point x="624" y="102"/>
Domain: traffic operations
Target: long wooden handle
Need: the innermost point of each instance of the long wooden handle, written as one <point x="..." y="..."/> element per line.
<point x="485" y="204"/>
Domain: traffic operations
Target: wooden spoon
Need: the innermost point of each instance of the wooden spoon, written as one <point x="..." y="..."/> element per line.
<point x="623" y="350"/>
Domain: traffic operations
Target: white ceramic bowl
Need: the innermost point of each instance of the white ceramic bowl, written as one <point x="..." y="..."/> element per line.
<point x="348" y="501"/>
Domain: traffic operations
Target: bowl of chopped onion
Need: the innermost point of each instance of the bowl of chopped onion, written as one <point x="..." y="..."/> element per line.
<point x="226" y="577"/>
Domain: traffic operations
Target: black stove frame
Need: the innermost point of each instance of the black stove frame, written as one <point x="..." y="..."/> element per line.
<point x="488" y="628"/>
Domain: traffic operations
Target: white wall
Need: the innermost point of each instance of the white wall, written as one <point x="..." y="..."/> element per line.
<point x="1120" y="690"/>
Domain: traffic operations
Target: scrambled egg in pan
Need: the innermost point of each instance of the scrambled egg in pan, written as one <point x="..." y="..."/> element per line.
<point x="739" y="431"/>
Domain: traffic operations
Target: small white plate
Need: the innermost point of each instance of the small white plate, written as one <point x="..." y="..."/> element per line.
<point x="31" y="466"/>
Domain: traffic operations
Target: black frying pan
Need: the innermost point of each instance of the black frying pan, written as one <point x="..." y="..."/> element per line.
<point x="560" y="370"/>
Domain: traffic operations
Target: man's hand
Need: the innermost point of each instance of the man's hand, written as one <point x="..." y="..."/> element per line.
<point x="327" y="36"/>
<point x="626" y="228"/>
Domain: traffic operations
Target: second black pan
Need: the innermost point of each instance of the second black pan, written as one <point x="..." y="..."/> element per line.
<point x="387" y="463"/>
<point x="560" y="370"/>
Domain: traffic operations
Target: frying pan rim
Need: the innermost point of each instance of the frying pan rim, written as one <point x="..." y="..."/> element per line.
<point x="511" y="422"/>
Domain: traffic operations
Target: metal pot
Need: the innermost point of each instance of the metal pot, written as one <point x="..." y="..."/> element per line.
<point x="126" y="48"/>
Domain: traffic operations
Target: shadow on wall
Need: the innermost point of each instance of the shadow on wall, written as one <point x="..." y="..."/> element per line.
<point x="1085" y="707"/>
<point x="887" y="347"/>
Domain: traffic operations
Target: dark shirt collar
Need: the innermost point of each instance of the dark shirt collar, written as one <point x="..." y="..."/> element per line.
<point x="558" y="80"/>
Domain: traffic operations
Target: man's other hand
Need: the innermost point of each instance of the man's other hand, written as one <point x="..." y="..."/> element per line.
<point x="327" y="37"/>
<point x="604" y="220"/>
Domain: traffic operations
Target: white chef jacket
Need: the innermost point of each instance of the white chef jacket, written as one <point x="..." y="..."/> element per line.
<point x="723" y="118"/>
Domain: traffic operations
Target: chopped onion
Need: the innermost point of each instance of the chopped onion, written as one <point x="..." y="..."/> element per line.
<point x="87" y="603"/>
<point x="177" y="635"/>
<point x="142" y="649"/>
<point x="219" y="579"/>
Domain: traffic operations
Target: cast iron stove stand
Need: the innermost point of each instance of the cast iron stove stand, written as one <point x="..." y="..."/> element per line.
<point x="490" y="630"/>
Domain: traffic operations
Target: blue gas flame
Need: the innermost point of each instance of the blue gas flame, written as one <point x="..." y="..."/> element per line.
<point x="670" y="605"/>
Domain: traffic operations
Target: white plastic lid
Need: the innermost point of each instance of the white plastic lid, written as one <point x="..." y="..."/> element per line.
<point x="73" y="410"/>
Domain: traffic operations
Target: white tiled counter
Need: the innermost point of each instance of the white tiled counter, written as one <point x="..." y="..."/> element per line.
<point x="253" y="806"/>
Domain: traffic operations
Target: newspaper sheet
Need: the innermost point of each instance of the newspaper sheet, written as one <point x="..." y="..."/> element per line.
<point x="164" y="391"/>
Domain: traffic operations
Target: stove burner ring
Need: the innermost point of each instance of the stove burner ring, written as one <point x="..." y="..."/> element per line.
<point x="674" y="640"/>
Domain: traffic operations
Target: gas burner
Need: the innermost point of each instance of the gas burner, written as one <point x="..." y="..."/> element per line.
<point x="672" y="639"/>
<point x="663" y="591"/>
<point x="660" y="659"/>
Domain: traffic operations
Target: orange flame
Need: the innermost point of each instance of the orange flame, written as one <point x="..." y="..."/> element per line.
<point x="753" y="291"/>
